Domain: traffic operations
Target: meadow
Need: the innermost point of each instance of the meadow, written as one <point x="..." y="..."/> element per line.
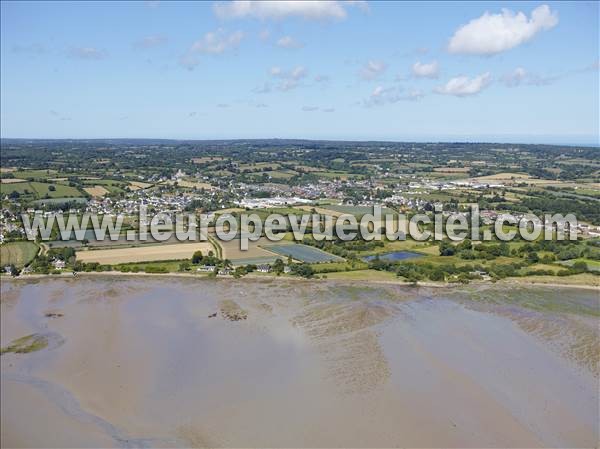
<point x="18" y="253"/>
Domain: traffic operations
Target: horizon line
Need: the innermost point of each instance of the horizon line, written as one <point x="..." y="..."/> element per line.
<point x="484" y="139"/>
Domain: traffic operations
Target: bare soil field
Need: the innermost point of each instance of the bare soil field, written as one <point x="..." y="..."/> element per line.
<point x="322" y="210"/>
<point x="194" y="184"/>
<point x="96" y="190"/>
<point x="232" y="251"/>
<point x="11" y="180"/>
<point x="146" y="253"/>
<point x="137" y="185"/>
<point x="452" y="169"/>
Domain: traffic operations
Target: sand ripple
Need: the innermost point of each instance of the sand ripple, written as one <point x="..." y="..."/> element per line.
<point x="346" y="336"/>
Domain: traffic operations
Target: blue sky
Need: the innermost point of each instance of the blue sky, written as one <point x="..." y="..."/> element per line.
<point x="524" y="71"/>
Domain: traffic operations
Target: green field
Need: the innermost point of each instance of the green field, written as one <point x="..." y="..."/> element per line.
<point x="112" y="185"/>
<point x="17" y="253"/>
<point x="40" y="189"/>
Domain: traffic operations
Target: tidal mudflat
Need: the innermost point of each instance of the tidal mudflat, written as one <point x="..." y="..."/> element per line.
<point x="158" y="362"/>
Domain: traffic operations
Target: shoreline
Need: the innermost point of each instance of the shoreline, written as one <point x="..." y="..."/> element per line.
<point x="429" y="284"/>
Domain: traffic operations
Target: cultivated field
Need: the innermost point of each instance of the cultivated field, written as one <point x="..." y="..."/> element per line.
<point x="193" y="184"/>
<point x="96" y="191"/>
<point x="137" y="185"/>
<point x="17" y="253"/>
<point x="358" y="211"/>
<point x="146" y="253"/>
<point x="452" y="169"/>
<point x="303" y="253"/>
<point x="322" y="210"/>
<point x="11" y="180"/>
<point x="232" y="251"/>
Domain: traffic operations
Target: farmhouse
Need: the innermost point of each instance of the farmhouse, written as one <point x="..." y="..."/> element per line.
<point x="58" y="264"/>
<point x="206" y="268"/>
<point x="265" y="268"/>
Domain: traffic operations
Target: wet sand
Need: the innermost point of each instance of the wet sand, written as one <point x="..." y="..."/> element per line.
<point x="148" y="362"/>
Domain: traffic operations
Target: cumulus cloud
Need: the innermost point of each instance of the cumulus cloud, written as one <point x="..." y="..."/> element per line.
<point x="462" y="86"/>
<point x="217" y="42"/>
<point x="289" y="79"/>
<point x="214" y="43"/>
<point x="89" y="53"/>
<point x="150" y="42"/>
<point x="289" y="42"/>
<point x="426" y="70"/>
<point x="520" y="76"/>
<point x="265" y="10"/>
<point x="494" y="33"/>
<point x="390" y="95"/>
<point x="372" y="69"/>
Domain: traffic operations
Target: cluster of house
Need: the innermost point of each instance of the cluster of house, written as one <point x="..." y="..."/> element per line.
<point x="262" y="268"/>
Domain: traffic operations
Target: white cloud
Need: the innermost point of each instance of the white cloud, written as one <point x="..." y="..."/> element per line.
<point x="150" y="42"/>
<point x="424" y="70"/>
<point x="515" y="78"/>
<point x="289" y="79"/>
<point x="90" y="53"/>
<point x="213" y="42"/>
<point x="321" y="78"/>
<point x="494" y="33"/>
<point x="463" y="86"/>
<point x="372" y="69"/>
<point x="390" y="95"/>
<point x="520" y="76"/>
<point x="289" y="42"/>
<point x="328" y="109"/>
<point x="311" y="10"/>
<point x="310" y="108"/>
<point x="217" y="42"/>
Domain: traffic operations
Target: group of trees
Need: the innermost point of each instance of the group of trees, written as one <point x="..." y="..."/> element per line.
<point x="43" y="262"/>
<point x="343" y="248"/>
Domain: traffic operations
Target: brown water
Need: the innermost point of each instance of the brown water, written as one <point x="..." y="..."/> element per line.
<point x="137" y="362"/>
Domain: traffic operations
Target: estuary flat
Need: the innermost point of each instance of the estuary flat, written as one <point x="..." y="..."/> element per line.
<point x="136" y="362"/>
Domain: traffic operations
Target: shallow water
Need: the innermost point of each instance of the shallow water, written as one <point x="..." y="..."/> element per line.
<point x="393" y="256"/>
<point x="323" y="364"/>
